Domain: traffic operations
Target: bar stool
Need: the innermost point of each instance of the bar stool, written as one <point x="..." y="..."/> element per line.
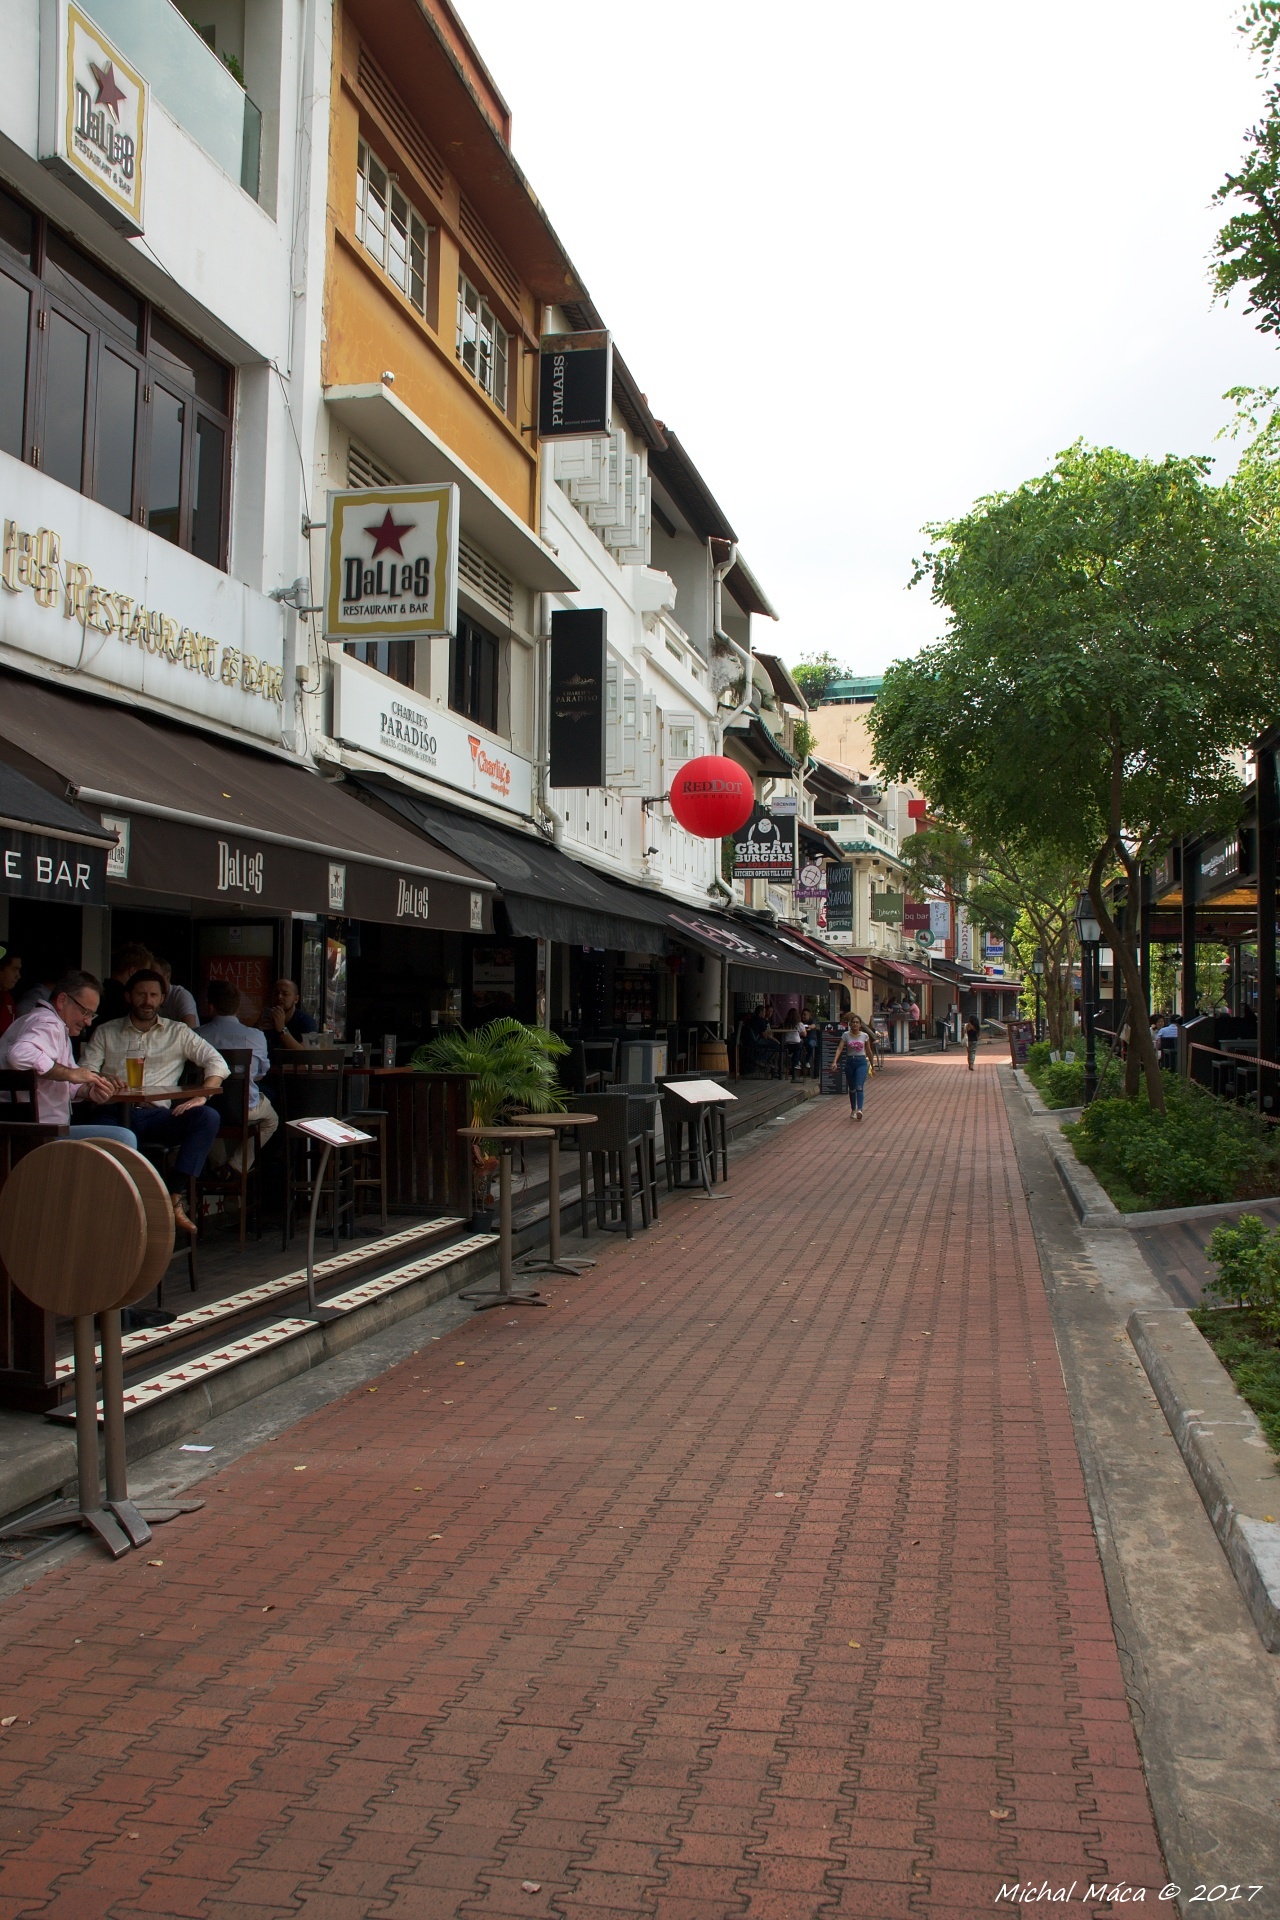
<point x="370" y="1159"/>
<point x="611" y="1144"/>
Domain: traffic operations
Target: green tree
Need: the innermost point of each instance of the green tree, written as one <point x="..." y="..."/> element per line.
<point x="1017" y="888"/>
<point x="1111" y="645"/>
<point x="1246" y="253"/>
<point x="815" y="673"/>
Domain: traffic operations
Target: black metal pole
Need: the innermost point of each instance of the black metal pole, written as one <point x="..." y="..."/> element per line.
<point x="1268" y="849"/>
<point x="1089" y="987"/>
<point x="1039" y="1035"/>
<point x="1190" y="862"/>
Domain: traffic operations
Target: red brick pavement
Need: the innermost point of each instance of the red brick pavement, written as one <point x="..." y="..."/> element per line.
<point x="754" y="1578"/>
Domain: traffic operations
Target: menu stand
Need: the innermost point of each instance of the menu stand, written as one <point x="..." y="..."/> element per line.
<point x="86" y="1226"/>
<point x="504" y="1138"/>
<point x="701" y="1097"/>
<point x="330" y="1134"/>
<point x="554" y="1261"/>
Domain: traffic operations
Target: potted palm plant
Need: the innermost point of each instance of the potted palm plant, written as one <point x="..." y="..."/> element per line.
<point x="512" y="1066"/>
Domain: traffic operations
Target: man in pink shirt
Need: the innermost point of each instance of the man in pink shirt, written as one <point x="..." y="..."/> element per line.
<point x="39" y="1042"/>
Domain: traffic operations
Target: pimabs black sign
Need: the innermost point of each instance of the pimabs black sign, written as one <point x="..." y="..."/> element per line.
<point x="575" y="385"/>
<point x="765" y="849"/>
<point x="839" y="898"/>
<point x="33" y="867"/>
<point x="576" y="731"/>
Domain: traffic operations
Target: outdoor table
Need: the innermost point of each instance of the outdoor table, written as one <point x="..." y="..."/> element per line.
<point x="505" y="1139"/>
<point x="555" y="1261"/>
<point x="146" y="1097"/>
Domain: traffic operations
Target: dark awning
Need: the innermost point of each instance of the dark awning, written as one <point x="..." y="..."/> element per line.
<point x="546" y="893"/>
<point x="49" y="850"/>
<point x="758" y="963"/>
<point x="216" y="822"/>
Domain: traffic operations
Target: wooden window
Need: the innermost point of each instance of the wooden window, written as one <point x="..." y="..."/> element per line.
<point x="390" y="229"/>
<point x="483" y="343"/>
<point x="103" y="393"/>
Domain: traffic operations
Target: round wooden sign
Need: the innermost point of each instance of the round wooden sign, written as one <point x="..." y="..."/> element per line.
<point x="158" y="1208"/>
<point x="73" y="1229"/>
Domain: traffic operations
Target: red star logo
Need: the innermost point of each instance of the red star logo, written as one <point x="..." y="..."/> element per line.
<point x="388" y="534"/>
<point x="110" y="92"/>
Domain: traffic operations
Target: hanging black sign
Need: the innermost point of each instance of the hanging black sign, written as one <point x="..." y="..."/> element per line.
<point x="765" y="849"/>
<point x="576" y="730"/>
<point x="34" y="867"/>
<point x="575" y="385"/>
<point x="839" y="898"/>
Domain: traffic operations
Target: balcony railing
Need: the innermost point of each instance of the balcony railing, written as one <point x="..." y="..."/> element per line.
<point x="189" y="80"/>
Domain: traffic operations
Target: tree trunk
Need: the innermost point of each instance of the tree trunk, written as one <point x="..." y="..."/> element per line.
<point x="1141" y="1040"/>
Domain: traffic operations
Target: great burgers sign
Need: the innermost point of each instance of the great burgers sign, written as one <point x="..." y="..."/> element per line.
<point x="391" y="569"/>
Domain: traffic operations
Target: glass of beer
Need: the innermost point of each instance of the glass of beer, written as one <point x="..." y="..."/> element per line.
<point x="133" y="1072"/>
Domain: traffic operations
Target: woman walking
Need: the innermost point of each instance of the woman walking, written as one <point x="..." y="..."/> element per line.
<point x="857" y="1049"/>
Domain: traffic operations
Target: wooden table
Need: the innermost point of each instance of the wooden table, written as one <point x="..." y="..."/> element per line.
<point x="504" y="1138"/>
<point x="555" y="1261"/>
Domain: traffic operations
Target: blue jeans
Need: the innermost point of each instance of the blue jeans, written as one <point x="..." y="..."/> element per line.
<point x="121" y="1135"/>
<point x="856" y="1067"/>
<point x="193" y="1133"/>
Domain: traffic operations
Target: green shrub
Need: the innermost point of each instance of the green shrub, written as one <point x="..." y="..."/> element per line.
<point x="1246" y="1346"/>
<point x="1199" y="1151"/>
<point x="1061" y="1083"/>
<point x="1247" y="1256"/>
<point x="1038" y="1058"/>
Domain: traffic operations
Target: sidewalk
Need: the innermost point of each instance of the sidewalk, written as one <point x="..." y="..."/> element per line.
<point x="755" y="1577"/>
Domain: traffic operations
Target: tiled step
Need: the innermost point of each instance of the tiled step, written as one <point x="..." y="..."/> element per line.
<point x="232" y="1353"/>
<point x="222" y="1316"/>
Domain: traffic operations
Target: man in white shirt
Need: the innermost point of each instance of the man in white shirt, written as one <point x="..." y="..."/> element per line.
<point x="225" y="1029"/>
<point x="164" y="1048"/>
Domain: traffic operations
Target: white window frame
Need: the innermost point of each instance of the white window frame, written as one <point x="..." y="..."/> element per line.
<point x="390" y="229"/>
<point x="484" y="345"/>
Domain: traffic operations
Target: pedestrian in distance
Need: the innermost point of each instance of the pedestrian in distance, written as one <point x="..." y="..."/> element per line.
<point x="972" y="1035"/>
<point x="857" y="1050"/>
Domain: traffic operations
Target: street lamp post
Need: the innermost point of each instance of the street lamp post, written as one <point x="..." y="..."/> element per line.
<point x="1089" y="933"/>
<point x="1037" y="968"/>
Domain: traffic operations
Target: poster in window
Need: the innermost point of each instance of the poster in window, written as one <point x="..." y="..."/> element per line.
<point x="493" y="981"/>
<point x="335" y="988"/>
<point x="391" y="562"/>
<point x="575" y="385"/>
<point x="576" y="726"/>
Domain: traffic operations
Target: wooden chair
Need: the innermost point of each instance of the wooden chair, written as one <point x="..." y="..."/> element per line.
<point x="310" y="1083"/>
<point x="18" y="1098"/>
<point x="369" y="1159"/>
<point x="239" y="1130"/>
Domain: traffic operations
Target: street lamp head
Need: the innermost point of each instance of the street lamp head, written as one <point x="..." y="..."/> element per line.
<point x="1088" y="931"/>
<point x="1037" y="960"/>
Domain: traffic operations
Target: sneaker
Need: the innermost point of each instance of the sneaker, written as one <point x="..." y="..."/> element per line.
<point x="858" y="1114"/>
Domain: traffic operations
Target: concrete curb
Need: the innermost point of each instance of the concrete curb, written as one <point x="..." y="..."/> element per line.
<point x="1095" y="1208"/>
<point x="1235" y="1471"/>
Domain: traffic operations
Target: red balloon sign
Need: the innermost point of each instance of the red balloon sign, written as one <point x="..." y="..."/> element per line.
<point x="712" y="796"/>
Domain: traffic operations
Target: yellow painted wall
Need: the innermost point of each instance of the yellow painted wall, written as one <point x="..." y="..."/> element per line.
<point x="370" y="327"/>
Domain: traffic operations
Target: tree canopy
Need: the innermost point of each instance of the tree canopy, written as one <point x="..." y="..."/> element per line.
<point x="1246" y="253"/>
<point x="816" y="672"/>
<point x="1113" y="643"/>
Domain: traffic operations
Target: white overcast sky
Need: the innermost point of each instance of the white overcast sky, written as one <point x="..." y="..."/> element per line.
<point x="872" y="261"/>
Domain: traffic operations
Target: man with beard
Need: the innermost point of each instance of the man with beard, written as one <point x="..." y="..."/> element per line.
<point x="159" y="1050"/>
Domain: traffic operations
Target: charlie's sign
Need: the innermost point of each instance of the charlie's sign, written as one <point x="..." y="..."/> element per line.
<point x="392" y="563"/>
<point x="93" y="113"/>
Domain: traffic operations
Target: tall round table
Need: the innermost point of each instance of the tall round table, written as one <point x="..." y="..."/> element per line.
<point x="504" y="1138"/>
<point x="555" y="1261"/>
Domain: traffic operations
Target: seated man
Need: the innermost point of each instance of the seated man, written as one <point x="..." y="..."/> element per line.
<point x="286" y="1020"/>
<point x="178" y="1003"/>
<point x="164" y="1047"/>
<point x="224" y="1029"/>
<point x="39" y="1042"/>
